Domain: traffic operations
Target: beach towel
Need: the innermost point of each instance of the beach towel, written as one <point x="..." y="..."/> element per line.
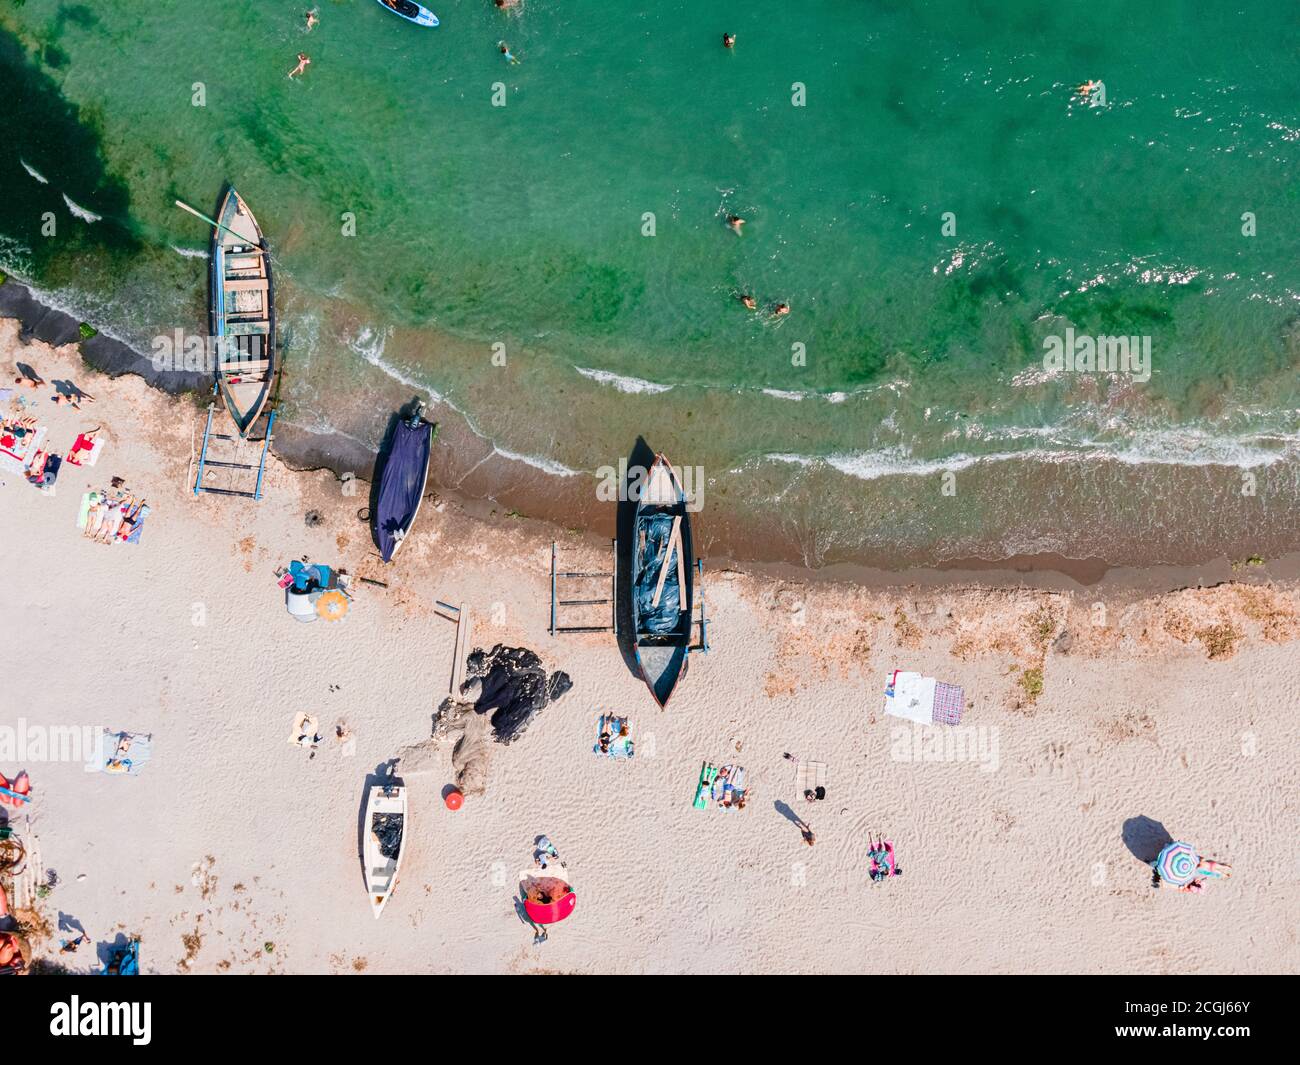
<point x="305" y="731"/>
<point x="809" y="776"/>
<point x="728" y="784"/>
<point x="619" y="746"/>
<point x="884" y="863"/>
<point x="84" y="512"/>
<point x="17" y="452"/>
<point x="126" y="752"/>
<point x="704" y="789"/>
<point x="911" y="696"/>
<point x="48" y="474"/>
<point x="136" y="528"/>
<point x="85" y="452"/>
<point x="949" y="702"/>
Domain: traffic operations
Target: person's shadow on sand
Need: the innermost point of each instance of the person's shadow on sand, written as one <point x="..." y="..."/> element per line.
<point x="784" y="810"/>
<point x="1145" y="838"/>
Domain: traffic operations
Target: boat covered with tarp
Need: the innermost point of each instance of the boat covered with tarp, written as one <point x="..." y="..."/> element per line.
<point x="663" y="580"/>
<point x="402" y="482"/>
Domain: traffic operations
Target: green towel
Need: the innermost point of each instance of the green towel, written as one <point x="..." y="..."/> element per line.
<point x="704" y="789"/>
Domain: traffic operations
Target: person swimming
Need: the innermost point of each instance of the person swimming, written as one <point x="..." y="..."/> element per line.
<point x="728" y="40"/>
<point x="734" y="221"/>
<point x="312" y="19"/>
<point x="504" y="49"/>
<point x="1088" y="88"/>
<point x="747" y="300"/>
<point x="303" y="63"/>
<point x="781" y="310"/>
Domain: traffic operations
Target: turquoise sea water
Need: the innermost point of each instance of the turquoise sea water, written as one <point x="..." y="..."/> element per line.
<point x="525" y="226"/>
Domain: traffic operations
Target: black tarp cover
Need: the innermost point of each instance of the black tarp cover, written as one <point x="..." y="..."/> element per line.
<point x="664" y="618"/>
<point x="513" y="687"/>
<point x="402" y="484"/>
<point x="388" y="829"/>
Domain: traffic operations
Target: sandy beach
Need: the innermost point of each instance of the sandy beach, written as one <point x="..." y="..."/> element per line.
<point x="1020" y="832"/>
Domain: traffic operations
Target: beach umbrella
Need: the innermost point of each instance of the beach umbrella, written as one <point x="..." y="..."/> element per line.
<point x="1177" y="864"/>
<point x="332" y="606"/>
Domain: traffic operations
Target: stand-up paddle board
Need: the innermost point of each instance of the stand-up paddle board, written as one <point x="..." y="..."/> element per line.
<point x="412" y="12"/>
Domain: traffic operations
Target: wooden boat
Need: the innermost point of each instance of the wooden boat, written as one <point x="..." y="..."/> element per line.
<point x="385" y="803"/>
<point x="663" y="580"/>
<point x="402" y="482"/>
<point x="241" y="311"/>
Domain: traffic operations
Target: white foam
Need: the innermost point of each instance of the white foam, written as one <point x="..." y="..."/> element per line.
<point x="81" y="212"/>
<point x="550" y="466"/>
<point x="1179" y="446"/>
<point x="631" y="385"/>
<point x="34" y="172"/>
<point x="191" y="253"/>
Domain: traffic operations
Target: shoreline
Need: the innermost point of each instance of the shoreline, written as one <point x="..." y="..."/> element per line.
<point x="461" y="454"/>
<point x="1082" y="729"/>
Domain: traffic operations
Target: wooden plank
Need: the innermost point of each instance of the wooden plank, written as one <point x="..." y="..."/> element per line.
<point x="462" y="645"/>
<point x="681" y="575"/>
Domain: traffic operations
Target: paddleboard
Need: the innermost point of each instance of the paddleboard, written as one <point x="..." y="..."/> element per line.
<point x="410" y="11"/>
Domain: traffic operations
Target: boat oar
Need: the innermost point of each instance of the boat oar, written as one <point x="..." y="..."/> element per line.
<point x="213" y="222"/>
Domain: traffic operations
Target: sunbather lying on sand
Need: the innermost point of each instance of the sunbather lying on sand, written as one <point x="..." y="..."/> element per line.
<point x="14" y="953"/>
<point x="1208" y="869"/>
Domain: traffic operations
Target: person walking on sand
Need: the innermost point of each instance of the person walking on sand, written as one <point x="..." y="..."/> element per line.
<point x="303" y="63"/>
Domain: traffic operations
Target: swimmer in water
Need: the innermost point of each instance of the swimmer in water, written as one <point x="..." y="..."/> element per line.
<point x="728" y="40"/>
<point x="303" y="64"/>
<point x="505" y="51"/>
<point x="747" y="300"/>
<point x="505" y="5"/>
<point x="781" y="310"/>
<point x="734" y="221"/>
<point x="312" y="19"/>
<point x="1088" y="88"/>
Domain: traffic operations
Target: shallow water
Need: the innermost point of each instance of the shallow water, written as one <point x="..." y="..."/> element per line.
<point x="909" y="352"/>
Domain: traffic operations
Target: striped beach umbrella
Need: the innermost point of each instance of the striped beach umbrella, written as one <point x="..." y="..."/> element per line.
<point x="1177" y="864"/>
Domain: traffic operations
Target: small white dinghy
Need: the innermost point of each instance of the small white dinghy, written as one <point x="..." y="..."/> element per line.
<point x="384" y="842"/>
